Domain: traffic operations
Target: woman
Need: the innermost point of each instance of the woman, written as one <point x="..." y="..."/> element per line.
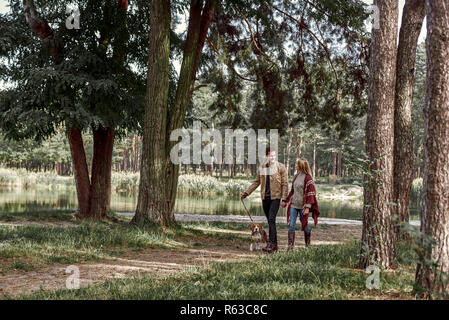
<point x="302" y="200"/>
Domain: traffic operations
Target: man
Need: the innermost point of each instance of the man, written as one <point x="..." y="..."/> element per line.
<point x="272" y="176"/>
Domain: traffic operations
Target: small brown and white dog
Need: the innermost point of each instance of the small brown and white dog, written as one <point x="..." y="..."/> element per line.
<point x="258" y="237"/>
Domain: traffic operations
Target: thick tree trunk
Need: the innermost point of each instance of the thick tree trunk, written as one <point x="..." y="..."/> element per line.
<point x="378" y="246"/>
<point x="199" y="22"/>
<point x="100" y="188"/>
<point x="435" y="216"/>
<point x="81" y="171"/>
<point x="412" y="19"/>
<point x="159" y="176"/>
<point x="153" y="201"/>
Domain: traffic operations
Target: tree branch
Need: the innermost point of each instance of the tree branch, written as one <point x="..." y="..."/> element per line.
<point x="303" y="26"/>
<point x="41" y="28"/>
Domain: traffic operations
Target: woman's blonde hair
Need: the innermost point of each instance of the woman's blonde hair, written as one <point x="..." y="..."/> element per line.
<point x="302" y="165"/>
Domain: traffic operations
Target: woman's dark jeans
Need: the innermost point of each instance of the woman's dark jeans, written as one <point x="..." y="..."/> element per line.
<point x="271" y="208"/>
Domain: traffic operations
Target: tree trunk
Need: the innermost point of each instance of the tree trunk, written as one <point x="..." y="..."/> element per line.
<point x="289" y="145"/>
<point x="435" y="216"/>
<point x="159" y="176"/>
<point x="339" y="163"/>
<point x="412" y="19"/>
<point x="378" y="246"/>
<point x="314" y="157"/>
<point x="100" y="188"/>
<point x="334" y="163"/>
<point x="81" y="171"/>
<point x="153" y="200"/>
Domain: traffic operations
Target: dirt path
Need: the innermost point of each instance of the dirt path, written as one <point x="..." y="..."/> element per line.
<point x="160" y="262"/>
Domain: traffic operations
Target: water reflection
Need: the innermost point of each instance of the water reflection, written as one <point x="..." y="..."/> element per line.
<point x="16" y="200"/>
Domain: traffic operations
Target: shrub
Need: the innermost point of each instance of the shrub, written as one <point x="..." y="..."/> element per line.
<point x="197" y="184"/>
<point x="125" y="181"/>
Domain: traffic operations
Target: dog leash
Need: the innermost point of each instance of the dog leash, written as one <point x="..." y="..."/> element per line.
<point x="246" y="210"/>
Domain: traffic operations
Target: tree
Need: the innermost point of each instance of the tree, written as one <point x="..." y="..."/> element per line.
<point x="159" y="175"/>
<point x="377" y="234"/>
<point x="419" y="101"/>
<point x="243" y="34"/>
<point x="80" y="79"/>
<point x="412" y="19"/>
<point x="433" y="276"/>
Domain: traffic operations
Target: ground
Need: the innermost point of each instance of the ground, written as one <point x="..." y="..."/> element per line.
<point x="210" y="245"/>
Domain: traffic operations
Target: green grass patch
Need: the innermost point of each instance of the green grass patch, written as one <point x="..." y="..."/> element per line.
<point x="41" y="245"/>
<point x="43" y="215"/>
<point x="317" y="272"/>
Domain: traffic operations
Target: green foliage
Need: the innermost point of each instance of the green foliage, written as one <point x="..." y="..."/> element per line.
<point x="423" y="245"/>
<point x="101" y="79"/>
<point x="125" y="182"/>
<point x="286" y="60"/>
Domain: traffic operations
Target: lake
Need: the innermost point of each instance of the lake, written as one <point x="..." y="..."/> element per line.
<point x="22" y="200"/>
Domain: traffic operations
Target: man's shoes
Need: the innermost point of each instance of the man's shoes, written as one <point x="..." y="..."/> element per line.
<point x="271" y="248"/>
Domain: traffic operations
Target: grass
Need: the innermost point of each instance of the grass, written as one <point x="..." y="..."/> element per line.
<point x="40" y="215"/>
<point x="317" y="272"/>
<point x="25" y="247"/>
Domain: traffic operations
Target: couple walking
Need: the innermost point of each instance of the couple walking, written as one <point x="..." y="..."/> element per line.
<point x="272" y="176"/>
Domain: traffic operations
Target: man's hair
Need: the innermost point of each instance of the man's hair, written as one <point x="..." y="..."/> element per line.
<point x="268" y="150"/>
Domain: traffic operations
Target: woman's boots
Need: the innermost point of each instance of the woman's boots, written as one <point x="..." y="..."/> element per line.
<point x="291" y="240"/>
<point x="307" y="238"/>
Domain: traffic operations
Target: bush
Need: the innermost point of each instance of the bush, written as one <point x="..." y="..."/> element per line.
<point x="236" y="187"/>
<point x="26" y="179"/>
<point x="125" y="181"/>
<point x="197" y="184"/>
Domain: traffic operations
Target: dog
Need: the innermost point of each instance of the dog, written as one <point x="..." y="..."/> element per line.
<point x="258" y="237"/>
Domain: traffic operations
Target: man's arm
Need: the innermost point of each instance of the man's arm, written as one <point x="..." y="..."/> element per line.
<point x="284" y="183"/>
<point x="254" y="185"/>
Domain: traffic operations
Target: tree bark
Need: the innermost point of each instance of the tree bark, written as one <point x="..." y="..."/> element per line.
<point x="100" y="188"/>
<point x="159" y="176"/>
<point x="153" y="201"/>
<point x="289" y="145"/>
<point x="378" y="246"/>
<point x="435" y="217"/>
<point x="43" y="30"/>
<point x="339" y="155"/>
<point x="334" y="163"/>
<point x="81" y="172"/>
<point x="412" y="19"/>
<point x="314" y="156"/>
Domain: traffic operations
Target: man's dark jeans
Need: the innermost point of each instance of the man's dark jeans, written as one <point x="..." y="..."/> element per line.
<point x="271" y="208"/>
